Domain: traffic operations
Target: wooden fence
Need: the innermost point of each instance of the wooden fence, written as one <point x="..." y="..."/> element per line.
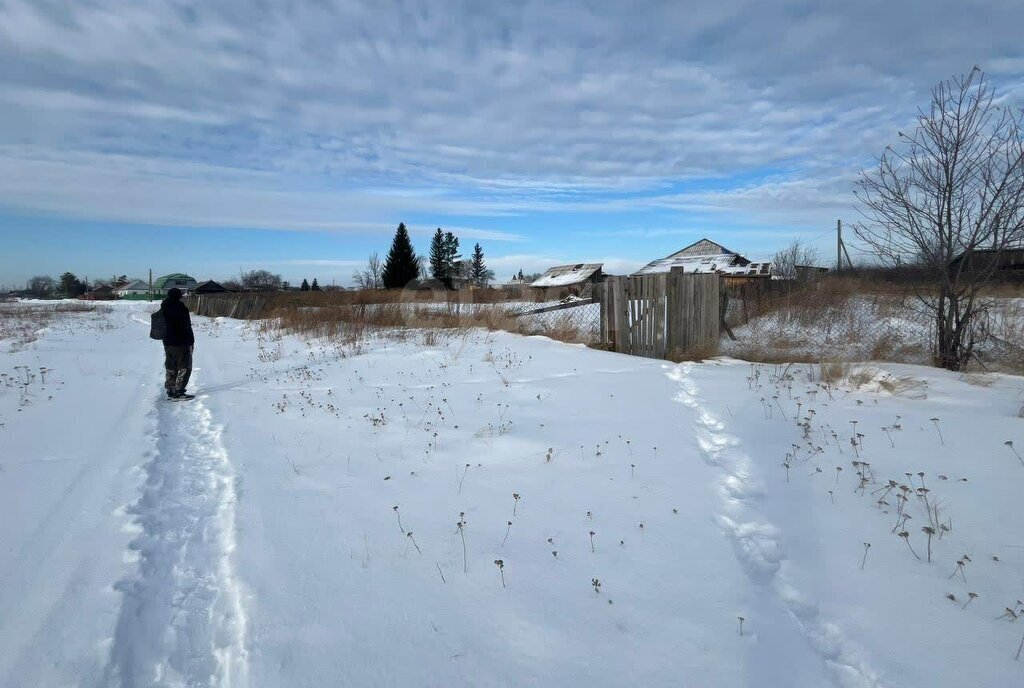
<point x="244" y="306"/>
<point x="661" y="315"/>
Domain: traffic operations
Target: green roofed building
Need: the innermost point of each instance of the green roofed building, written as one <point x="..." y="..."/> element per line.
<point x="161" y="285"/>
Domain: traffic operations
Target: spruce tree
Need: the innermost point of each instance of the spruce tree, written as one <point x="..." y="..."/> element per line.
<point x="478" y="269"/>
<point x="438" y="256"/>
<point x="401" y="265"/>
<point x="451" y="258"/>
<point x="305" y="285"/>
<point x="315" y="286"/>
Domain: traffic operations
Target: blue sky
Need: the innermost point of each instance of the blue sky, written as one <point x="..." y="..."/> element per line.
<point x="213" y="137"/>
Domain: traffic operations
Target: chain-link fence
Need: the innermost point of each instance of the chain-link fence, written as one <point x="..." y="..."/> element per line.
<point x="825" y="324"/>
<point x="580" y="323"/>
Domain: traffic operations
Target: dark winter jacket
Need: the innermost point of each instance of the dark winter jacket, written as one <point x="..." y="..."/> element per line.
<point x="179" y="324"/>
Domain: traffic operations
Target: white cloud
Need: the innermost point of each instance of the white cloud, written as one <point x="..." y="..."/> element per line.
<point x="333" y="115"/>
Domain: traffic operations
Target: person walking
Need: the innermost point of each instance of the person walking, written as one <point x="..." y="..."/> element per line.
<point x="178" y="342"/>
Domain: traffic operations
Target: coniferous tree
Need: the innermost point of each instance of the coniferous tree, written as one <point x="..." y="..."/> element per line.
<point x="478" y="268"/>
<point x="401" y="265"/>
<point x="451" y="258"/>
<point x="315" y="286"/>
<point x="438" y="256"/>
<point x="71" y="285"/>
<point x="304" y="286"/>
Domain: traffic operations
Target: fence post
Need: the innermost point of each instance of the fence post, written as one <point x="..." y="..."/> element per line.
<point x="673" y="310"/>
<point x="620" y="315"/>
<point x="601" y="295"/>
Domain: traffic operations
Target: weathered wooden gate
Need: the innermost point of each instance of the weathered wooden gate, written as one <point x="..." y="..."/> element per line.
<point x="660" y="315"/>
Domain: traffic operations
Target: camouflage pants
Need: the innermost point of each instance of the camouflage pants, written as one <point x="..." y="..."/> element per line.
<point x="178" y="367"/>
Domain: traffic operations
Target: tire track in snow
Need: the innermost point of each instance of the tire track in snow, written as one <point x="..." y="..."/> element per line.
<point x="757" y="543"/>
<point x="182" y="622"/>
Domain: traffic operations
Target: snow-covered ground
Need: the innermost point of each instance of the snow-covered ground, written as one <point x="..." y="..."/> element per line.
<point x="322" y="515"/>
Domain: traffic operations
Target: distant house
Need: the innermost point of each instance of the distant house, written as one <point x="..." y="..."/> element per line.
<point x="209" y="287"/>
<point x="707" y="257"/>
<point x="1008" y="263"/>
<point x="570" y="279"/>
<point x="462" y="278"/>
<point x="100" y="293"/>
<point x="161" y="285"/>
<point x="135" y="289"/>
<point x="514" y="283"/>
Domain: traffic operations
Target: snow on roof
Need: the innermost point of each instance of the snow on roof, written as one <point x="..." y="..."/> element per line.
<point x="133" y="285"/>
<point x="705" y="257"/>
<point x="722" y="264"/>
<point x="567" y="275"/>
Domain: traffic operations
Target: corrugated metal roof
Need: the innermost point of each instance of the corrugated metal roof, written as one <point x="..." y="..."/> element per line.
<point x="567" y="275"/>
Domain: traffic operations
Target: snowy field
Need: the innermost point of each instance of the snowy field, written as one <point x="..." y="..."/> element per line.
<point x="497" y="510"/>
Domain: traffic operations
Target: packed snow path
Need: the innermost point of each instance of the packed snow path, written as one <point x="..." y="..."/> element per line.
<point x="182" y="621"/>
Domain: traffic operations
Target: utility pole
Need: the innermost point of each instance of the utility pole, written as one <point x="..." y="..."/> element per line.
<point x="151" y="284"/>
<point x="841" y="249"/>
<point x="839" y="245"/>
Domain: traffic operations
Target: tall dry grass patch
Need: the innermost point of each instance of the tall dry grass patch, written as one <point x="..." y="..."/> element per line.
<point x="356" y="322"/>
<point x="20" y="323"/>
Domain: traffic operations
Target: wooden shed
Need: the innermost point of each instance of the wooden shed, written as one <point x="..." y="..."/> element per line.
<point x="570" y="279"/>
<point x="1006" y="264"/>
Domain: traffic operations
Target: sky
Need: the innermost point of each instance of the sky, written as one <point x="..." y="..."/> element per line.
<point x="226" y="135"/>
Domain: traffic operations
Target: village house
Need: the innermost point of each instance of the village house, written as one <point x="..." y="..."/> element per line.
<point x="707" y="257"/>
<point x="135" y="289"/>
<point x="209" y="287"/>
<point x="103" y="292"/>
<point x="161" y="285"/>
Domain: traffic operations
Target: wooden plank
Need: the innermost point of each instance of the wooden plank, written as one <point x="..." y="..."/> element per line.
<point x="627" y="296"/>
<point x="601" y="293"/>
<point x="659" y="316"/>
<point x="643" y="316"/>
<point x="634" y="317"/>
<point x="621" y="316"/>
<point x="635" y="336"/>
<point x="671" y="307"/>
<point x="639" y="344"/>
<point x="651" y="314"/>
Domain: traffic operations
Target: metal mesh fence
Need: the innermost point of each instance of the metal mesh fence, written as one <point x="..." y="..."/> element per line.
<point x="580" y="323"/>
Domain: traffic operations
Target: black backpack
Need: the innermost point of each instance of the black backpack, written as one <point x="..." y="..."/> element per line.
<point x="157" y="325"/>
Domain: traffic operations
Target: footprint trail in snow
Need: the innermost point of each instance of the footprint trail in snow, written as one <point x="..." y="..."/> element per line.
<point x="757" y="543"/>
<point x="182" y="621"/>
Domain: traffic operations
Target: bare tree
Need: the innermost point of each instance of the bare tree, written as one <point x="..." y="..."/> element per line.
<point x="260" y="280"/>
<point x="41" y="285"/>
<point x="372" y="277"/>
<point x="797" y="254"/>
<point x="950" y="199"/>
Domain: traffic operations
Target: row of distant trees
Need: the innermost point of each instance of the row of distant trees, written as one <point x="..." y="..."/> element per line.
<point x="402" y="266"/>
<point x="67" y="285"/>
